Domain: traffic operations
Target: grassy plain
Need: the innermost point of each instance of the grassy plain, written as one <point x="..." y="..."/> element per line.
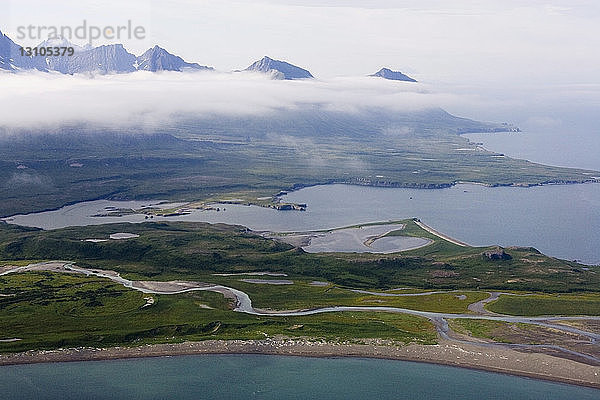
<point x="548" y="304"/>
<point x="48" y="310"/>
<point x="479" y="328"/>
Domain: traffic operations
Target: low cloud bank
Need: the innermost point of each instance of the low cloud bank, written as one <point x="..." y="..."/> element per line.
<point x="36" y="100"/>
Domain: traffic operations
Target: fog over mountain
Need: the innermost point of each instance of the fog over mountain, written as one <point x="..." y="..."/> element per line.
<point x="532" y="63"/>
<point x="35" y="99"/>
<point x="108" y="86"/>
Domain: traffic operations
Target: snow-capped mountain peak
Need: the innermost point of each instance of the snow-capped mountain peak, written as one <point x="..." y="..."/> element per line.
<point x="279" y="69"/>
<point x="59" y="42"/>
<point x="158" y="59"/>
<point x="387" y="73"/>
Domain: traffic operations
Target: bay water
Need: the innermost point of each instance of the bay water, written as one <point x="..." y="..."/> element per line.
<point x="270" y="377"/>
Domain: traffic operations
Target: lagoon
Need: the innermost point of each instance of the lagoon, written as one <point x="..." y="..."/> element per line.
<point x="559" y="220"/>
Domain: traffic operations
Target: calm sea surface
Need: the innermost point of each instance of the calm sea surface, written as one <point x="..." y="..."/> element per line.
<point x="559" y="220"/>
<point x="572" y="145"/>
<point x="270" y="377"/>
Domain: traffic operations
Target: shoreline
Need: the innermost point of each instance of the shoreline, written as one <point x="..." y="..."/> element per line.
<point x="297" y="187"/>
<point x="443" y="236"/>
<point x="498" y="360"/>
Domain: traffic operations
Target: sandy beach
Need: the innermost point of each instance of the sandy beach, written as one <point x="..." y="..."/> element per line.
<point x="440" y="235"/>
<point x="502" y="360"/>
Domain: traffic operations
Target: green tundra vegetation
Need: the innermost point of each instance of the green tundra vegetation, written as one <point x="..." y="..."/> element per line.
<point x="548" y="304"/>
<point x="195" y="251"/>
<point x="486" y="329"/>
<point x="50" y="310"/>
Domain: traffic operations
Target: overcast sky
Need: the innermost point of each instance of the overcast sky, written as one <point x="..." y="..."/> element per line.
<point x="505" y="42"/>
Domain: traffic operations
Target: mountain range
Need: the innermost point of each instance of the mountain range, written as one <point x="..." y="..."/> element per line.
<point x="106" y="59"/>
<point x="11" y="59"/>
<point x="115" y="59"/>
